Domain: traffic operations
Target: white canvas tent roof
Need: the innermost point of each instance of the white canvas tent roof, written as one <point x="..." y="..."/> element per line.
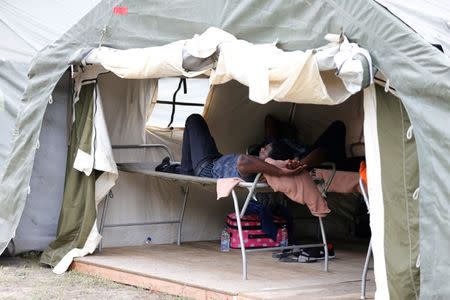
<point x="417" y="70"/>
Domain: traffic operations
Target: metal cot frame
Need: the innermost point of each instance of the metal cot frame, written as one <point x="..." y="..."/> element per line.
<point x="185" y="180"/>
<point x="369" y="248"/>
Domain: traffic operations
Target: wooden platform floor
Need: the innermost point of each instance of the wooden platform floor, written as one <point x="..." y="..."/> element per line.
<point x="198" y="270"/>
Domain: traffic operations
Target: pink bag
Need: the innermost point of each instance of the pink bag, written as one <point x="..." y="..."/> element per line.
<point x="253" y="235"/>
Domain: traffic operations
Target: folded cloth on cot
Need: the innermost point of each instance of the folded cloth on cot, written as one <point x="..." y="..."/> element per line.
<point x="300" y="188"/>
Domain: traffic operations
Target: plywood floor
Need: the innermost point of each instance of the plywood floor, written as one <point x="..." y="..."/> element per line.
<point x="198" y="270"/>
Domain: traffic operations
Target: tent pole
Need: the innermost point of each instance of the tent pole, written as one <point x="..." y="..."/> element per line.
<point x="251" y="194"/>
<point x="102" y="220"/>
<point x="364" y="274"/>
<point x="241" y="237"/>
<point x="325" y="247"/>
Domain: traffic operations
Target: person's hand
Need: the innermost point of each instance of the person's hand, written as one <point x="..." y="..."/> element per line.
<point x="291" y="172"/>
<point x="293" y="164"/>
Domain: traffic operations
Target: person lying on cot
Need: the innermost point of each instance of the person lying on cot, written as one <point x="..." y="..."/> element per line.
<point x="200" y="157"/>
<point x="329" y="147"/>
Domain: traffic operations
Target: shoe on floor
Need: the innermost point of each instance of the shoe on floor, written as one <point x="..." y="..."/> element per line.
<point x="282" y="253"/>
<point x="316" y="253"/>
<point x="296" y="258"/>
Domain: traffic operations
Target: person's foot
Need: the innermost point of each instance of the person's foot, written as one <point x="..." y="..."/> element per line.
<point x="163" y="165"/>
<point x="166" y="167"/>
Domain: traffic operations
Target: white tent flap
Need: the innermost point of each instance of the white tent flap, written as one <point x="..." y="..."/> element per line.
<point x="269" y="72"/>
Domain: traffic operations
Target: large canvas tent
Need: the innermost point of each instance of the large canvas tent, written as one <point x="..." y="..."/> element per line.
<point x="418" y="71"/>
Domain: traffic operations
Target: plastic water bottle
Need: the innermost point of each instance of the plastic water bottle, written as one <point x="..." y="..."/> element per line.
<point x="225" y="241"/>
<point x="284" y="237"/>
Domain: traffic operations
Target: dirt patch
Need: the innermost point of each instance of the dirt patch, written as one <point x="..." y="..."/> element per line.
<point x="23" y="277"/>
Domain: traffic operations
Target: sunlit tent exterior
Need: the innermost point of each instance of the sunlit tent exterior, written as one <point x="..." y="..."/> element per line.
<point x="405" y="117"/>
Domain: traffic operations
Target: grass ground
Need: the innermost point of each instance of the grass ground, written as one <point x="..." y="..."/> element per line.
<point x="23" y="277"/>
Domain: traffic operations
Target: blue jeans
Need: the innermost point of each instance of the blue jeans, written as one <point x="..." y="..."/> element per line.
<point x="198" y="146"/>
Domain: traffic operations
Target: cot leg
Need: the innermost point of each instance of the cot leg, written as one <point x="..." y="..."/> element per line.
<point x="250" y="195"/>
<point x="183" y="207"/>
<point x="324" y="240"/>
<point x="102" y="220"/>
<point x="364" y="274"/>
<point x="241" y="237"/>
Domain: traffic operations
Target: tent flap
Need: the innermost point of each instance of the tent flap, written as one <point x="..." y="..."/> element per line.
<point x="78" y="211"/>
<point x="400" y="178"/>
<point x="269" y="72"/>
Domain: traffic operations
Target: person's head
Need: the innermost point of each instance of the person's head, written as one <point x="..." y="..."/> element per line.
<point x="265" y="151"/>
<point x="278" y="150"/>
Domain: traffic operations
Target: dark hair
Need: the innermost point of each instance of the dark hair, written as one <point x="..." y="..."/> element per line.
<point x="281" y="150"/>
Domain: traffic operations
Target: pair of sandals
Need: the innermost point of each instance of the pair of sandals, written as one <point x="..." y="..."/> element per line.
<point x="167" y="167"/>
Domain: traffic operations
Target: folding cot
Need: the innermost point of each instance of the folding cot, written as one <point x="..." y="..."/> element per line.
<point x="252" y="188"/>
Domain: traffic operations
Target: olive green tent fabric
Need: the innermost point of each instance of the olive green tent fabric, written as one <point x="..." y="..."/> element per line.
<point x="417" y="70"/>
<point x="400" y="179"/>
<point x="78" y="212"/>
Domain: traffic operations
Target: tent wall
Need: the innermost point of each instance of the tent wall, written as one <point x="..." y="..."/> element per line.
<point x="37" y="227"/>
<point x="30" y="26"/>
<point x="312" y="120"/>
<point x="430" y="120"/>
<point x="27" y="27"/>
<point x="235" y="122"/>
<point x="12" y="84"/>
<point x="138" y="198"/>
<point x="400" y="179"/>
<point x="230" y="112"/>
<point x="428" y="18"/>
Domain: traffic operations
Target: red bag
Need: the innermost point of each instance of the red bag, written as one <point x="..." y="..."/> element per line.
<point x="253" y="235"/>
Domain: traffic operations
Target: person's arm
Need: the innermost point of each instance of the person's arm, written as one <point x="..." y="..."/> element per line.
<point x="248" y="164"/>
